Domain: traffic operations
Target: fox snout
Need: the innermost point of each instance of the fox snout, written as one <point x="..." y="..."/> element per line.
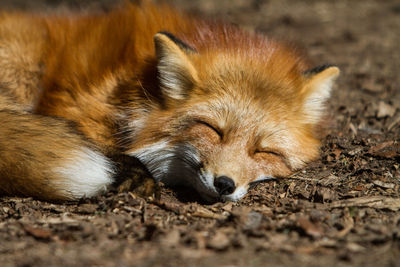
<point x="228" y="189"/>
<point x="182" y="165"/>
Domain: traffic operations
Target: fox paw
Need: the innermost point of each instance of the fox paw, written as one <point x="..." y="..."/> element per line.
<point x="142" y="186"/>
<point x="133" y="176"/>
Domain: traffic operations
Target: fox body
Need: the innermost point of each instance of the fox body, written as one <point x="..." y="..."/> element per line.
<point x="199" y="103"/>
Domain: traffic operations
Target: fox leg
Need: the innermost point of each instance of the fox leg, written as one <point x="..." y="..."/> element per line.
<point x="46" y="158"/>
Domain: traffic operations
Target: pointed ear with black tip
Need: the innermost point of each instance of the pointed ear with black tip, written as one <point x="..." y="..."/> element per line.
<point x="176" y="72"/>
<point x="317" y="90"/>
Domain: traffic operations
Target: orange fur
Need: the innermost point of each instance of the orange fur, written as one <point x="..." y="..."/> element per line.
<point x="239" y="101"/>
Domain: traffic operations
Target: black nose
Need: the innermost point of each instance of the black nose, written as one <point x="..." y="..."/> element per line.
<point x="224" y="185"/>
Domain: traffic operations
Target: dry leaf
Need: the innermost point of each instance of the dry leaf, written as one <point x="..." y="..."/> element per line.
<point x="348" y="225"/>
<point x="38" y="233"/>
<point x="330" y="180"/>
<point x="377" y="202"/>
<point x="205" y="213"/>
<point x="310" y="228"/>
<point x="383" y="184"/>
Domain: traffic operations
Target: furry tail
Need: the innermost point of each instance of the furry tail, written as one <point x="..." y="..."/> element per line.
<point x="45" y="157"/>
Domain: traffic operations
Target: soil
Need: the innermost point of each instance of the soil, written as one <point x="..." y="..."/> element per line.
<point x="341" y="210"/>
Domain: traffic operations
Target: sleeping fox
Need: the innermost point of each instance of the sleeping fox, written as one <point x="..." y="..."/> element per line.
<point x="90" y="101"/>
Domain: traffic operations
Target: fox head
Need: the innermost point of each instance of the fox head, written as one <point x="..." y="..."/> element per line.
<point x="230" y="115"/>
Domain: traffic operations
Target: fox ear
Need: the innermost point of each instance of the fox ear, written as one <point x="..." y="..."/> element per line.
<point x="176" y="73"/>
<point x="317" y="90"/>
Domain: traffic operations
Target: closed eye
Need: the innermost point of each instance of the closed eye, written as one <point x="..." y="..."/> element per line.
<point x="270" y="152"/>
<point x="271" y="155"/>
<point x="215" y="129"/>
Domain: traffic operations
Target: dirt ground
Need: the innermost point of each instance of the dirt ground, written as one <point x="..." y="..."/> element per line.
<point x="342" y="210"/>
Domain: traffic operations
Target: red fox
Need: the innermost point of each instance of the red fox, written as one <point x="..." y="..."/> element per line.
<point x="88" y="101"/>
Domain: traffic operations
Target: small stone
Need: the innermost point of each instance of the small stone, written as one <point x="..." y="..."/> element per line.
<point x="171" y="239"/>
<point x="385" y="110"/>
<point x="219" y="242"/>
